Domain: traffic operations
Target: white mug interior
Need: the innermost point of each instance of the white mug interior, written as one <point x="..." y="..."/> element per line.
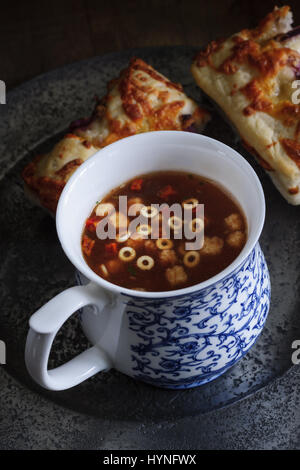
<point x="150" y="152"/>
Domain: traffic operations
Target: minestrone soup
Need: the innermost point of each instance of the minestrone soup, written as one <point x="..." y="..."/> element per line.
<point x="147" y="261"/>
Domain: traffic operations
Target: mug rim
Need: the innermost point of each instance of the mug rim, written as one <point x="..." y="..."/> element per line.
<point x="92" y="276"/>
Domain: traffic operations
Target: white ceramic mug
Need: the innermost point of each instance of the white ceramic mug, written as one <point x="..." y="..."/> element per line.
<point x="174" y="339"/>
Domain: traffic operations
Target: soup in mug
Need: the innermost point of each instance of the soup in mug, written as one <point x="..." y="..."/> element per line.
<point x="154" y="256"/>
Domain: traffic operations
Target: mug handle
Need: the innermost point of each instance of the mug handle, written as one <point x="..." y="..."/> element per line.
<point x="45" y="324"/>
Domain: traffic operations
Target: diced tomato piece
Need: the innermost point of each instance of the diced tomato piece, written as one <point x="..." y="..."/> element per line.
<point x="136" y="185"/>
<point x="91" y="224"/>
<point x="87" y="245"/>
<point x="111" y="248"/>
<point x="166" y="192"/>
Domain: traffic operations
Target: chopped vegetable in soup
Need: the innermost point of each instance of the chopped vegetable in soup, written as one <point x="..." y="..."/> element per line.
<point x="141" y="261"/>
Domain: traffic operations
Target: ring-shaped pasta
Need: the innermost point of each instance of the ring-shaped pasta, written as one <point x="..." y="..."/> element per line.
<point x="191" y="259"/>
<point x="164" y="243"/>
<point x="190" y="203"/>
<point x="145" y="262"/>
<point x="175" y="222"/>
<point x="122" y="237"/>
<point x="127" y="254"/>
<point x="143" y="229"/>
<point x="104" y="208"/>
<point x="196" y="225"/>
<point x="149" y="211"/>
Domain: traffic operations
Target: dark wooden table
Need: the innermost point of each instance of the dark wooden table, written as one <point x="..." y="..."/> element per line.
<point x="38" y="35"/>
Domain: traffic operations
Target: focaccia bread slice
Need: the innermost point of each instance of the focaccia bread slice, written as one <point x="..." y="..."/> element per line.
<point x="140" y="100"/>
<point x="251" y="76"/>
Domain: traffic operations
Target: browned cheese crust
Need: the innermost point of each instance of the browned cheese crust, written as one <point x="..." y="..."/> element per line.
<point x="139" y="100"/>
<point x="251" y="76"/>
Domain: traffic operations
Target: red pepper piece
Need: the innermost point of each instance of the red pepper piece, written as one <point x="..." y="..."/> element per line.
<point x="91" y="224"/>
<point x="136" y="185"/>
<point x="87" y="245"/>
<point x="166" y="192"/>
<point x="111" y="248"/>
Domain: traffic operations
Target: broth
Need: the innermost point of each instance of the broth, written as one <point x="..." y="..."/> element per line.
<point x="164" y="264"/>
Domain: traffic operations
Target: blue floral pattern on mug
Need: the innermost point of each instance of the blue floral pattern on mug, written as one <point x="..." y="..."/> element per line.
<point x="189" y="340"/>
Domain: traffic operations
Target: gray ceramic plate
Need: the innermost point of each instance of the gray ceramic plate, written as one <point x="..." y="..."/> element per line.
<point x="33" y="267"/>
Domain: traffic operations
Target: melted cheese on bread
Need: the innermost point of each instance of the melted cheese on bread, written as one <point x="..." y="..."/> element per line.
<point x="251" y="77"/>
<point x="140" y="100"/>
